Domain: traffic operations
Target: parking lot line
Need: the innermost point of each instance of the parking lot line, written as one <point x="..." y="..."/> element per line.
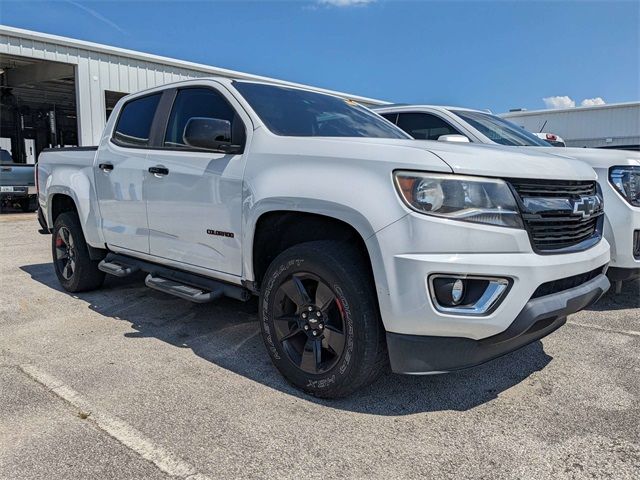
<point x="124" y="433"/>
<point x="604" y="329"/>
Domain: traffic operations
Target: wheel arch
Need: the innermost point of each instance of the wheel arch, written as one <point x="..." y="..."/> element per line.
<point x="279" y="225"/>
<point x="64" y="200"/>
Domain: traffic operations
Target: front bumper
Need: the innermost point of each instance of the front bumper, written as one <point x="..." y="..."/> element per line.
<point x="414" y="354"/>
<point x="458" y="249"/>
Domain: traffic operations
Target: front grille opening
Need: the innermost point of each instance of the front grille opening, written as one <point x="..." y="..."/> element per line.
<point x="554" y="231"/>
<point x="562" y="284"/>
<point x="636" y="244"/>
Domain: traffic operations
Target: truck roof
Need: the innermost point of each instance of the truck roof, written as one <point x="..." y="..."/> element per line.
<point x="424" y="105"/>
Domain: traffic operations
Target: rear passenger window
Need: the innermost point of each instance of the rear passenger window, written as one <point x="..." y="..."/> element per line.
<point x="424" y="126"/>
<point x="134" y="124"/>
<point x="197" y="102"/>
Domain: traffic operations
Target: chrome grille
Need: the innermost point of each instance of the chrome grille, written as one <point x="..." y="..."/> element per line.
<point x="549" y="215"/>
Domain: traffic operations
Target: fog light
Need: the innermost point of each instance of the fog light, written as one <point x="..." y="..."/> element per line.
<point x="457" y="291"/>
<point x="466" y="295"/>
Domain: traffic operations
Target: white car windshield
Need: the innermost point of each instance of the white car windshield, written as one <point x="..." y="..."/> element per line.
<point x="500" y="130"/>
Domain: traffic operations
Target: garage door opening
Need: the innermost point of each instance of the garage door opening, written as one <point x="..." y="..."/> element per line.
<point x="38" y="106"/>
<point x="110" y="100"/>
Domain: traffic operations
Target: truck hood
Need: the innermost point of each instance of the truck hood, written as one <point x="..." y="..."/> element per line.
<point x="597" y="157"/>
<point x="463" y="158"/>
<point x="502" y="161"/>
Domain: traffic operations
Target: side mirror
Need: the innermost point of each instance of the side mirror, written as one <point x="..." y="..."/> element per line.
<point x="209" y="134"/>
<point x="454" y="138"/>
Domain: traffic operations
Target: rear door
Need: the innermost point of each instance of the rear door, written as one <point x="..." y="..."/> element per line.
<point x="120" y="169"/>
<point x="194" y="201"/>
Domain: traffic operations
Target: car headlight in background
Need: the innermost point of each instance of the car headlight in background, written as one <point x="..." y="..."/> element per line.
<point x="627" y="181"/>
<point x="458" y="197"/>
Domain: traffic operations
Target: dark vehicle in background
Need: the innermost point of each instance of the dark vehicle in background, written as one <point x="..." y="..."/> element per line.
<point x="17" y="184"/>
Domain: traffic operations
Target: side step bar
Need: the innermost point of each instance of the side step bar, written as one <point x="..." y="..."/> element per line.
<point x="117" y="269"/>
<point x="186" y="292"/>
<point x="185" y="285"/>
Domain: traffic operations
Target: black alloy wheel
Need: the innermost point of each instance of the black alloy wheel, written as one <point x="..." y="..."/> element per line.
<point x="320" y="319"/>
<point x="309" y="323"/>
<point x="66" y="253"/>
<point x="74" y="267"/>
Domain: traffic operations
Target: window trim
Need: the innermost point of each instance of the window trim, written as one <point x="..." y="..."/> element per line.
<point x="113" y="138"/>
<point x="161" y="132"/>
<point x="160" y="121"/>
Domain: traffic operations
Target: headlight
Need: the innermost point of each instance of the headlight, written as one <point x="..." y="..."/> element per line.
<point x="627" y="181"/>
<point x="458" y="197"/>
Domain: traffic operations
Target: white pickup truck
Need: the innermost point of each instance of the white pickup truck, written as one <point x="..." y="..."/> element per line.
<point x="363" y="245"/>
<point x="618" y="171"/>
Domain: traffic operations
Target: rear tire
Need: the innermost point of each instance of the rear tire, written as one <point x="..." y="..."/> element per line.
<point x="73" y="266"/>
<point x="320" y="320"/>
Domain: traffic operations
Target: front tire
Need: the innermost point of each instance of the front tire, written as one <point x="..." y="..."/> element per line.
<point x="73" y="266"/>
<point x="320" y="320"/>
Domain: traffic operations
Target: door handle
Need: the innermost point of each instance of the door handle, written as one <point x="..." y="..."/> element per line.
<point x="105" y="167"/>
<point x="159" y="171"/>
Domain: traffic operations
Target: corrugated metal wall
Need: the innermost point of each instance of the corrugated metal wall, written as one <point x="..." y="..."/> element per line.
<point x="95" y="73"/>
<point x="98" y="72"/>
<point x="101" y="67"/>
<point x="610" y="126"/>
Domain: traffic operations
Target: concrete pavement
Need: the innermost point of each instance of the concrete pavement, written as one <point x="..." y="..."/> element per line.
<point x="127" y="383"/>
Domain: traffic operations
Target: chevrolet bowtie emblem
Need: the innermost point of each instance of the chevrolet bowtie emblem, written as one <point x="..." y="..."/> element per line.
<point x="587" y="205"/>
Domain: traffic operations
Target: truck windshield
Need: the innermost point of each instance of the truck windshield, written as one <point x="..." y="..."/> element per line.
<point x="300" y="113"/>
<point x="499" y="130"/>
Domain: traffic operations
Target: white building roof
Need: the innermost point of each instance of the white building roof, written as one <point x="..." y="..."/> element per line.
<point x="546" y="111"/>
<point x="172" y="62"/>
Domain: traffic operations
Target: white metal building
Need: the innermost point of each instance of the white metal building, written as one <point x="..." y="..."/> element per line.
<point x="615" y="125"/>
<point x="57" y="91"/>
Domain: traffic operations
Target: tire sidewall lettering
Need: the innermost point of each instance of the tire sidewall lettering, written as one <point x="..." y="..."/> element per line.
<point x="342" y="368"/>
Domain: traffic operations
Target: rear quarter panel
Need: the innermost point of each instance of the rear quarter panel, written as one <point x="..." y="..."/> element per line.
<point x="70" y="172"/>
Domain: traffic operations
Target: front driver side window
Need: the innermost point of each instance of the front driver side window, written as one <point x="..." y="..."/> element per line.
<point x="200" y="103"/>
<point x="424" y="126"/>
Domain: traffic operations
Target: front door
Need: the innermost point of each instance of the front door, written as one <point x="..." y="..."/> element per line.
<point x="194" y="197"/>
<point x="120" y="169"/>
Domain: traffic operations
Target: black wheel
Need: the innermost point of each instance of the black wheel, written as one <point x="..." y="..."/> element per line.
<point x="74" y="268"/>
<point x="320" y="320"/>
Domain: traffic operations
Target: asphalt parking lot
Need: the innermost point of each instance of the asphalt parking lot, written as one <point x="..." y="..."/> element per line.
<point x="126" y="383"/>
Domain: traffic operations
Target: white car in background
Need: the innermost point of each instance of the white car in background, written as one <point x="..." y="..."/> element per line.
<point x="618" y="170"/>
<point x="551" y="138"/>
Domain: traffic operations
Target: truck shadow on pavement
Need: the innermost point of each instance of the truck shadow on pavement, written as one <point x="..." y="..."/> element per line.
<point x="629" y="297"/>
<point x="227" y="334"/>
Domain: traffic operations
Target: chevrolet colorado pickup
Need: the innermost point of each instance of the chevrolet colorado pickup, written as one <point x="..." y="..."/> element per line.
<point x="618" y="171"/>
<point x="363" y="245"/>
